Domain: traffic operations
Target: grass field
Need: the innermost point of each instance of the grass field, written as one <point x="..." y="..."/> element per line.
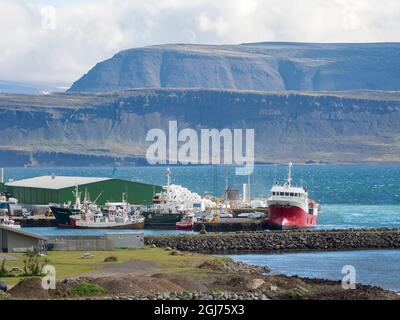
<point x="70" y="263"/>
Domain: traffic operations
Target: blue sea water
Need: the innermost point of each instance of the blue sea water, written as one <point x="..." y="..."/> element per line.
<point x="375" y="267"/>
<point x="53" y="231"/>
<point x="329" y="184"/>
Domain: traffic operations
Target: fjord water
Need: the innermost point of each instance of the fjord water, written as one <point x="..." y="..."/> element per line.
<point x="351" y="196"/>
<point x="374" y="267"/>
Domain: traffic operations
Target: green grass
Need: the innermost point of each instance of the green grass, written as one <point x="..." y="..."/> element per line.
<point x="111" y="259"/>
<point x="87" y="289"/>
<point x="70" y="264"/>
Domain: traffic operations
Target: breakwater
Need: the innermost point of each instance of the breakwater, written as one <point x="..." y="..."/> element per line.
<point x="276" y="241"/>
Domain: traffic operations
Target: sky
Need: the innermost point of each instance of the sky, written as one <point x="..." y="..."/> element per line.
<point x="56" y="42"/>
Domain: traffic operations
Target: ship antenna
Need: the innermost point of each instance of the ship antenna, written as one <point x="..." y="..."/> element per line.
<point x="168" y="173"/>
<point x="289" y="179"/>
<point x="249" y="182"/>
<point x="226" y="184"/>
<point x="77" y="196"/>
<point x="98" y="197"/>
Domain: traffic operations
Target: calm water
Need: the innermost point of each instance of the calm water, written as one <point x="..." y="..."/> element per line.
<point x="376" y="267"/>
<point x="93" y="232"/>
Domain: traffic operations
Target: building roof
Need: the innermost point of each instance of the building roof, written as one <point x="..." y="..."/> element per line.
<point x="54" y="182"/>
<point x="24" y="233"/>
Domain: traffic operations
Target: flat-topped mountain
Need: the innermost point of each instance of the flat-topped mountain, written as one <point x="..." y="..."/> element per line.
<point x="250" y="66"/>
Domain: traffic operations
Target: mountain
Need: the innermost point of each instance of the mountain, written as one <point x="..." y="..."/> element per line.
<point x="27" y="88"/>
<point x="100" y="129"/>
<point x="249" y="66"/>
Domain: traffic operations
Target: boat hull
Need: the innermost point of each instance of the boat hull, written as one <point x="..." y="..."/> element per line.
<point x="184" y="226"/>
<point x="289" y="216"/>
<point x="62" y="216"/>
<point x="161" y="221"/>
<point x="139" y="225"/>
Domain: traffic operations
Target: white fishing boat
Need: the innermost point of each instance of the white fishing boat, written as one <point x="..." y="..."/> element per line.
<point x="9" y="223"/>
<point x="170" y="205"/>
<point x="115" y="217"/>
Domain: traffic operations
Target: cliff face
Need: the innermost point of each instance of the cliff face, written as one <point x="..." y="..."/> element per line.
<point x="254" y="66"/>
<point x="69" y="129"/>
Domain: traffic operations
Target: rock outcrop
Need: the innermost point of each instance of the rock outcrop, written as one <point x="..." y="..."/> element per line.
<point x="110" y="129"/>
<point x="252" y="66"/>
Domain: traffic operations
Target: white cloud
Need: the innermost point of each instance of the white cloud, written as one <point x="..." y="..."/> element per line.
<point x="40" y="46"/>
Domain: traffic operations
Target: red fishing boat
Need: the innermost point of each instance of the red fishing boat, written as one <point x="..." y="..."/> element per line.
<point x="290" y="207"/>
<point x="187" y="222"/>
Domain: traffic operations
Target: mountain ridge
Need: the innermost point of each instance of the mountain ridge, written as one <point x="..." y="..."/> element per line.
<point x="253" y="66"/>
<point x="110" y="128"/>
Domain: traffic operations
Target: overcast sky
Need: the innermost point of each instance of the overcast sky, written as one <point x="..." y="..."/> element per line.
<point x="57" y="41"/>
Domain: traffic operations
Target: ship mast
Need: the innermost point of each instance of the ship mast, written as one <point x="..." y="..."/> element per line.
<point x="168" y="173"/>
<point x="77" y="196"/>
<point x="289" y="179"/>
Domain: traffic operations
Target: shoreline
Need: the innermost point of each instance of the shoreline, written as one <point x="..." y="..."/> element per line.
<point x="187" y="276"/>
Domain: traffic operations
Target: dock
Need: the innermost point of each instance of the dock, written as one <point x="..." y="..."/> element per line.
<point x="34" y="221"/>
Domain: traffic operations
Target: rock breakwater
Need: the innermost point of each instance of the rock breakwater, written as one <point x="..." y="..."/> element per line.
<point x="273" y="241"/>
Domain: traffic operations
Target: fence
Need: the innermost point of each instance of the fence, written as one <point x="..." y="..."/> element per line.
<point x="96" y="243"/>
<point x="79" y="243"/>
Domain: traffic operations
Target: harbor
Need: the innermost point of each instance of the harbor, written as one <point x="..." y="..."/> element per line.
<point x="192" y="236"/>
<point x="58" y="201"/>
<point x="150" y="206"/>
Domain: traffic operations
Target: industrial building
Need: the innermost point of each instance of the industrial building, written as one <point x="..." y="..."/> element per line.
<point x="105" y="242"/>
<point x="16" y="240"/>
<point x="58" y="189"/>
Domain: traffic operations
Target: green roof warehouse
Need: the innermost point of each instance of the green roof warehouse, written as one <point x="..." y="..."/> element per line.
<point x="58" y="189"/>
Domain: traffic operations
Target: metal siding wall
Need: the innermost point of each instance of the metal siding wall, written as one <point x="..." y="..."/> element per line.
<point x="65" y="195"/>
<point x="18" y="241"/>
<point x="132" y="241"/>
<point x="27" y="195"/>
<point x="138" y="193"/>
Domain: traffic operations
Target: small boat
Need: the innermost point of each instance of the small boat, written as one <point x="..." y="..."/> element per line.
<point x="9" y="223"/>
<point x="225" y="215"/>
<point x="187" y="222"/>
<point x="290" y="207"/>
<point x="6" y="202"/>
<point x="256" y="215"/>
<point x="100" y="221"/>
<point x="63" y="213"/>
<point x="170" y="205"/>
<point x="115" y="217"/>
